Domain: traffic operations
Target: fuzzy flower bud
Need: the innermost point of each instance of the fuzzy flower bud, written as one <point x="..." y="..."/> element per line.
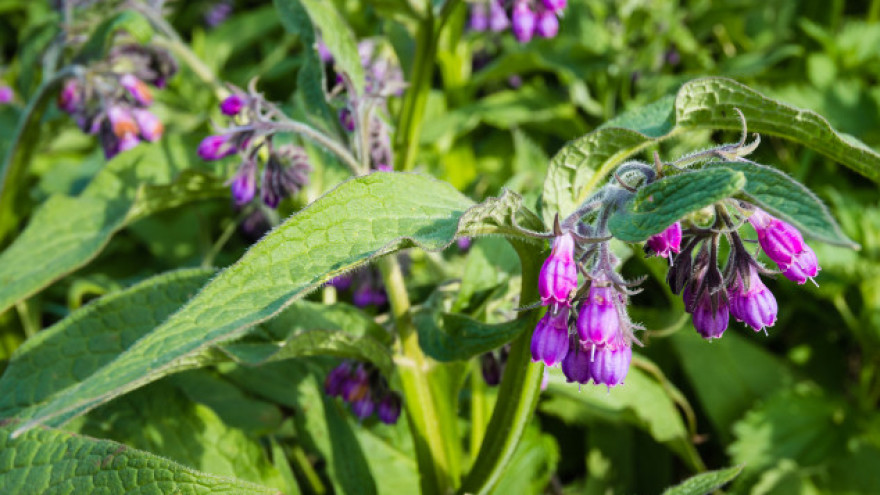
<point x="498" y="20"/>
<point x="548" y="24"/>
<point x="610" y="364"/>
<point x="150" y="126"/>
<point x="598" y="321"/>
<point x="524" y="22"/>
<point x="576" y="365"/>
<point x="216" y="147"/>
<point x="753" y="303"/>
<point x="666" y="242"/>
<point x="232" y="104"/>
<point x="780" y="240"/>
<point x="804" y="266"/>
<point x="554" y="5"/>
<point x="137" y="89"/>
<point x="388" y="409"/>
<point x="558" y="275"/>
<point x="550" y="340"/>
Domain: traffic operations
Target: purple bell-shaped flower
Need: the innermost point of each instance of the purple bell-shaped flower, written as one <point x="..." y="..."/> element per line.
<point x="558" y="276"/>
<point x="598" y="321"/>
<point x="550" y="340"/>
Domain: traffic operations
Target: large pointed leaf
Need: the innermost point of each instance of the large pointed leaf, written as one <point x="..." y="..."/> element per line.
<point x="66" y="232"/>
<point x="45" y="461"/>
<point x="707" y="103"/>
<point x="361" y="219"/>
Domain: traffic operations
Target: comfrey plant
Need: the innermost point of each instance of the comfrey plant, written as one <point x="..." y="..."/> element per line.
<point x="588" y="330"/>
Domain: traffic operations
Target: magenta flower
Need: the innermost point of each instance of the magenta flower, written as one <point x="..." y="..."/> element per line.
<point x="479" y="19"/>
<point x="216" y="147"/>
<point x="711" y="323"/>
<point x="666" y="242"/>
<point x="752" y="302"/>
<point x="548" y="24"/>
<point x="780" y="240"/>
<point x="610" y="364"/>
<point x="550" y="340"/>
<point x="524" y="21"/>
<point x="554" y="5"/>
<point x="576" y="364"/>
<point x="150" y="126"/>
<point x="232" y="104"/>
<point x="6" y="94"/>
<point x="137" y="89"/>
<point x="804" y="266"/>
<point x="498" y="20"/>
<point x="558" y="276"/>
<point x="244" y="184"/>
<point x="598" y="321"/>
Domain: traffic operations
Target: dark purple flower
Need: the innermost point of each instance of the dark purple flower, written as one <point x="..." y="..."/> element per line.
<point x="550" y="340"/>
<point x="357" y="386"/>
<point x="554" y="5"/>
<point x="341" y="282"/>
<point x="752" y="302"/>
<point x="218" y="13"/>
<point x="711" y="323"/>
<point x="389" y="408"/>
<point x="780" y="240"/>
<point x="137" y="89"/>
<point x="346" y="118"/>
<point x="6" y="94"/>
<point x="70" y="97"/>
<point x="598" y="321"/>
<point x="804" y="266"/>
<point x="367" y="295"/>
<point x="558" y="277"/>
<point x="491" y="368"/>
<point x="610" y="364"/>
<point x="363" y="408"/>
<point x="479" y="20"/>
<point x="576" y="365"/>
<point x="244" y="183"/>
<point x="217" y="146"/>
<point x="524" y="21"/>
<point x="498" y="20"/>
<point x="336" y="379"/>
<point x="666" y="242"/>
<point x="548" y="24"/>
<point x="233" y="104"/>
<point x="150" y="126"/>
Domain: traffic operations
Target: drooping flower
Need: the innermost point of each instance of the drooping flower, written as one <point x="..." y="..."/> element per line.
<point x="550" y="340"/>
<point x="709" y="321"/>
<point x="666" y="242"/>
<point x="363" y="407"/>
<point x="388" y="409"/>
<point x="217" y="146"/>
<point x="610" y="363"/>
<point x="244" y="183"/>
<point x="576" y="364"/>
<point x="335" y="382"/>
<point x="150" y="126"/>
<point x="498" y="20"/>
<point x="598" y="321"/>
<point x="137" y="89"/>
<point x="524" y="21"/>
<point x="554" y="5"/>
<point x="752" y="302"/>
<point x="804" y="266"/>
<point x="558" y="276"/>
<point x="780" y="240"/>
<point x="479" y="18"/>
<point x="548" y="24"/>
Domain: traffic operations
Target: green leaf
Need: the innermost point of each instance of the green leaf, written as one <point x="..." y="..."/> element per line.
<point x="500" y="216"/>
<point x="91" y="337"/>
<point x="44" y="460"/>
<point x="161" y="420"/>
<point x="459" y="337"/>
<point x="99" y="43"/>
<point x="66" y="232"/>
<point x="579" y="167"/>
<point x="532" y="465"/>
<point x="641" y="401"/>
<point x="729" y="374"/>
<point x="662" y="203"/>
<point x="705" y="483"/>
<point x="788" y="199"/>
<point x="361" y="219"/>
<point x="335" y="33"/>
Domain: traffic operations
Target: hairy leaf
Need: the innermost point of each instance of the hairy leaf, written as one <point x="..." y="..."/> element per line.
<point x="45" y="460"/>
<point x="361" y="219"/>
<point x="704" y="483"/>
<point x="662" y="203"/>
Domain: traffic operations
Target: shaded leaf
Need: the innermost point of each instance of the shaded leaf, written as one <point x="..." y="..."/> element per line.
<point x="459" y="337"/>
<point x="704" y="483"/>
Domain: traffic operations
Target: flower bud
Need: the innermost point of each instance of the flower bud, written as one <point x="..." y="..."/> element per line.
<point x="711" y="323"/>
<point x="548" y="24"/>
<point x="150" y="126"/>
<point x="598" y="321"/>
<point x="498" y="20"/>
<point x="232" y="104"/>
<point x="333" y="384"/>
<point x="389" y="408"/>
<point x="346" y="119"/>
<point x="610" y="364"/>
<point x="244" y="184"/>
<point x="70" y="97"/>
<point x="357" y="386"/>
<point x="363" y="407"/>
<point x="524" y="21"/>
<point x="216" y="147"/>
<point x="550" y="340"/>
<point x="558" y="275"/>
<point x="780" y="240"/>
<point x="576" y="364"/>
<point x="479" y="19"/>
<point x="6" y="94"/>
<point x="753" y="304"/>
<point x="554" y="5"/>
<point x="804" y="266"/>
<point x="137" y="89"/>
<point x="666" y="242"/>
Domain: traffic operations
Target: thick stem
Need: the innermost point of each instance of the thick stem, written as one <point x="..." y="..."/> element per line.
<point x="432" y="426"/>
<point x="518" y="395"/>
<point x="407" y="136"/>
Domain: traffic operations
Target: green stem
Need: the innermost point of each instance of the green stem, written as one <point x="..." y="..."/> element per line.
<point x="518" y="394"/>
<point x="407" y="136"/>
<point x="432" y="426"/>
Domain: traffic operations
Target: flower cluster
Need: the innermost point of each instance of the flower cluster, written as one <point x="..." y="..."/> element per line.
<point x="526" y="18"/>
<point x="286" y="168"/>
<point x="112" y="99"/>
<point x="362" y="386"/>
<point x="366" y="285"/>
